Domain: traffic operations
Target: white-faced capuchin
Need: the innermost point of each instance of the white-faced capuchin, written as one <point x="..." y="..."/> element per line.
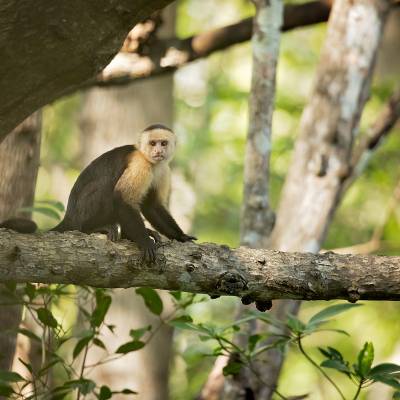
<point x="121" y="184"/>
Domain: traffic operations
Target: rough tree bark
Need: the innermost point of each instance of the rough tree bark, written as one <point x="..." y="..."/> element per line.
<point x="209" y="268"/>
<point x="55" y="47"/>
<point x="257" y="217"/>
<point x="322" y="156"/>
<point x="19" y="163"/>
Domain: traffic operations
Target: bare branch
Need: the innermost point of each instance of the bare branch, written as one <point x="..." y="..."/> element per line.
<point x="374" y="137"/>
<point x="92" y="260"/>
<point x="167" y="55"/>
<point x="375" y="243"/>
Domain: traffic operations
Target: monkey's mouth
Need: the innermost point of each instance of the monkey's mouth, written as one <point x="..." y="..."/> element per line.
<point x="158" y="158"/>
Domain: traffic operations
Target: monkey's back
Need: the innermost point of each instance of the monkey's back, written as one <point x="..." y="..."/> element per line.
<point x="90" y="203"/>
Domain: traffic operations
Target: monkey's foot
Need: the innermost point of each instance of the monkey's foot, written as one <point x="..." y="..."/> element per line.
<point x="186" y="238"/>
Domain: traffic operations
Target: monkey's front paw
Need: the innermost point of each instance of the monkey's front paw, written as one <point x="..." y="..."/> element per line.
<point x="149" y="253"/>
<point x="154" y="235"/>
<point x="187" y="238"/>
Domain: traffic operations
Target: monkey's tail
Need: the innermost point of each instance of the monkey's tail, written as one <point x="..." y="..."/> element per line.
<point x="61" y="227"/>
<point x="21" y="225"/>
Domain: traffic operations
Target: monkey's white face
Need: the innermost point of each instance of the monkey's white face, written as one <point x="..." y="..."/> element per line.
<point x="158" y="145"/>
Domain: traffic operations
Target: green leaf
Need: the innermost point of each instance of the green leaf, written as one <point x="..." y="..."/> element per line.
<point x="82" y="343"/>
<point x="56" y="204"/>
<point x="30" y="291"/>
<point x="365" y="359"/>
<point x="128" y="347"/>
<point x="182" y="318"/>
<point x="127" y="391"/>
<point x="323" y="315"/>
<point x="8" y="376"/>
<point x="99" y="343"/>
<point x="6" y="390"/>
<point x="151" y="299"/>
<point x="336" y="364"/>
<point x="29" y="334"/>
<point x="46" y="317"/>
<point x="232" y="368"/>
<point x="138" y="333"/>
<point x="176" y="295"/>
<point x="49" y="212"/>
<point x="385" y="368"/>
<point x="295" y="325"/>
<point x="253" y="340"/>
<point x="86" y="386"/>
<point x="267" y="318"/>
<point x="396" y="396"/>
<point x="387" y="380"/>
<point x="332" y="354"/>
<point x="105" y="393"/>
<point x="341" y="331"/>
<point x="103" y="303"/>
<point x="200" y="329"/>
<point x="28" y="366"/>
<point x="51" y="364"/>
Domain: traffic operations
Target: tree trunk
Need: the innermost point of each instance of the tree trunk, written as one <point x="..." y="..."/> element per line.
<point x="257" y="219"/>
<point x="19" y="162"/>
<point x="322" y="156"/>
<point x="49" y="49"/>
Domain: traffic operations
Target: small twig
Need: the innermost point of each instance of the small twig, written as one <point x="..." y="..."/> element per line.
<point x="382" y="126"/>
<point x="374" y="243"/>
<point x="318" y="367"/>
<point x="358" y="390"/>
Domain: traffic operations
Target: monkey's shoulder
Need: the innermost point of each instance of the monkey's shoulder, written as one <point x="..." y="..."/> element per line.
<point x="111" y="162"/>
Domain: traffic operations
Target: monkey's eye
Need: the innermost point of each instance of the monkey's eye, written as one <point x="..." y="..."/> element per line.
<point x="152" y="143"/>
<point x="164" y="143"/>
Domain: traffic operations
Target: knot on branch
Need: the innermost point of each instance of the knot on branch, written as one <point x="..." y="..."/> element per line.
<point x="353" y="294"/>
<point x="231" y="283"/>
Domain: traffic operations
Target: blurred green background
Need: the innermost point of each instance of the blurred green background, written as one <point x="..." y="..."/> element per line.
<point x="211" y="101"/>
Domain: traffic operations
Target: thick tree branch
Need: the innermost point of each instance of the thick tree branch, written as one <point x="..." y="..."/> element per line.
<point x="168" y="55"/>
<point x="50" y="48"/>
<point x="92" y="260"/>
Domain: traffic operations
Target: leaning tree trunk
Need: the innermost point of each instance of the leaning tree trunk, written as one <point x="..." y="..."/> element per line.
<point x="19" y="162"/>
<point x="322" y="156"/>
<point x="113" y="117"/>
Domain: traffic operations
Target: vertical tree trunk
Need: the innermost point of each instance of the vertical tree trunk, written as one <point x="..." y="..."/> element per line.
<point x="19" y="162"/>
<point x="323" y="150"/>
<point x="112" y="117"/>
<point x="257" y="218"/>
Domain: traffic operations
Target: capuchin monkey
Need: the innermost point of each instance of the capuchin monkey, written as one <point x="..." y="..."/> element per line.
<point x="121" y="184"/>
<point x="111" y="193"/>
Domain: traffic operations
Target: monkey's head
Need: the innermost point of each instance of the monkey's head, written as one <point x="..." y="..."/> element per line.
<point x="157" y="143"/>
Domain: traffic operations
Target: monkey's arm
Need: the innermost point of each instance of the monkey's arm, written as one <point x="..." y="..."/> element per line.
<point x="133" y="228"/>
<point x="161" y="219"/>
